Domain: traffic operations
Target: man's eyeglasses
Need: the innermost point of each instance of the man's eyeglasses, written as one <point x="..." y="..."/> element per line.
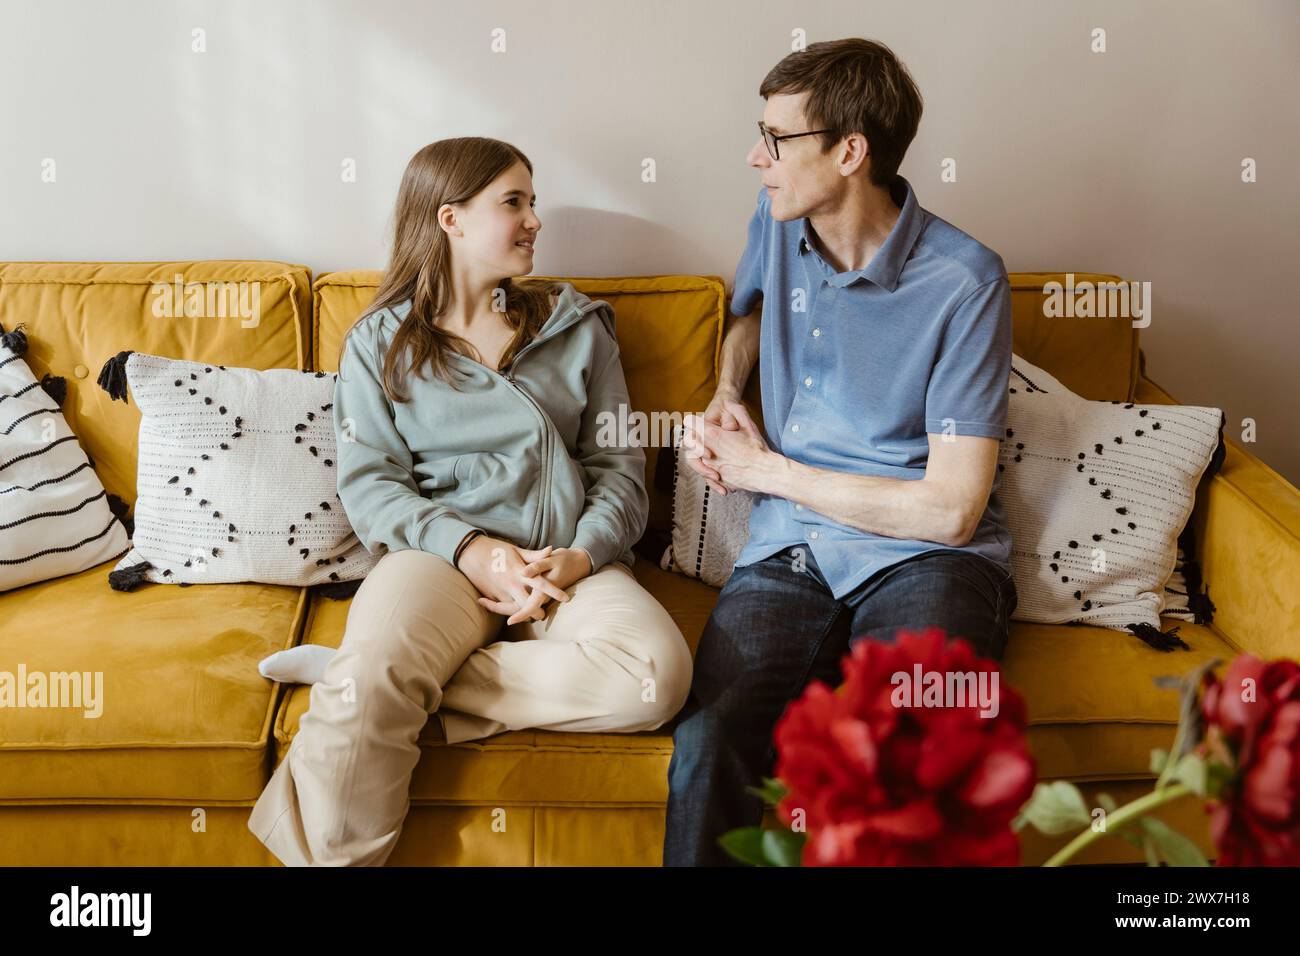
<point x="774" y="142"/>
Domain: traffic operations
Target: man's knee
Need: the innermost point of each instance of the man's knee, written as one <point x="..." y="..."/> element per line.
<point x="961" y="594"/>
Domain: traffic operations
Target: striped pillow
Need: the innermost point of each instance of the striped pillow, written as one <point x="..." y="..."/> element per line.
<point x="55" y="517"/>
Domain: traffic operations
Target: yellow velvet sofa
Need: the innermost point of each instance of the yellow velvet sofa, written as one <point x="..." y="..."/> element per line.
<point x="190" y="732"/>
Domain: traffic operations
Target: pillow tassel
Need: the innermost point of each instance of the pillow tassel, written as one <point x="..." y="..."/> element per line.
<point x="56" y="386"/>
<point x="112" y="377"/>
<point x="1202" y="608"/>
<point x="1160" y="640"/>
<point x="1198" y="595"/>
<point x="128" y="579"/>
<point x="15" y="341"/>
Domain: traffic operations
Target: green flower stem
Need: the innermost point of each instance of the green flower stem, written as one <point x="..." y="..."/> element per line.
<point x="1174" y="756"/>
<point x="1122" y="816"/>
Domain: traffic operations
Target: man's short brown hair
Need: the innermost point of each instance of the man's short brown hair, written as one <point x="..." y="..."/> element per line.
<point x="854" y="86"/>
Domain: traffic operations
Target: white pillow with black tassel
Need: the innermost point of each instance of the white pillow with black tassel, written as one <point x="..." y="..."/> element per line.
<point x="1096" y="496"/>
<point x="236" y="479"/>
<point x="55" y="516"/>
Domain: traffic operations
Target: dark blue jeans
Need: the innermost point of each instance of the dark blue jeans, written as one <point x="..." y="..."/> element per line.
<point x="773" y="630"/>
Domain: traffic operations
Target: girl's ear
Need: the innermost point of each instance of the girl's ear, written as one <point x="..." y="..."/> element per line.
<point x="448" y="221"/>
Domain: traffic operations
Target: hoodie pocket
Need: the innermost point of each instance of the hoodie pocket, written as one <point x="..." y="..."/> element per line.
<point x="497" y="486"/>
<point x="436" y="476"/>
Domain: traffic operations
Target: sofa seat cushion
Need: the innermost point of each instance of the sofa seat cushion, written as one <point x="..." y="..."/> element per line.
<point x="1094" y="710"/>
<point x="523" y="767"/>
<point x="1095" y="714"/>
<point x="184" y="714"/>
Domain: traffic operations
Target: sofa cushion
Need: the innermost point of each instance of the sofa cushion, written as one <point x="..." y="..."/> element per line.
<point x="237" y="478"/>
<point x="1094" y="711"/>
<point x="1095" y="714"/>
<point x="669" y="332"/>
<point x="1096" y="494"/>
<point x="55" y="518"/>
<point x="185" y="716"/>
<point x="1095" y="357"/>
<point x="518" y="767"/>
<point x="79" y="314"/>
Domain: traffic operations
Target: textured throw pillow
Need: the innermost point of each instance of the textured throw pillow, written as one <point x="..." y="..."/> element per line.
<point x="1065" y="479"/>
<point x="1096" y="495"/>
<point x="55" y="517"/>
<point x="709" y="530"/>
<point x="236" y="477"/>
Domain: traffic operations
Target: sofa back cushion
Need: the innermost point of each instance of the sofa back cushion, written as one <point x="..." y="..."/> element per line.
<point x="77" y="315"/>
<point x="1094" y="357"/>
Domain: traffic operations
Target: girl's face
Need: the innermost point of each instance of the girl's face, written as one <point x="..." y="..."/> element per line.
<point x="496" y="229"/>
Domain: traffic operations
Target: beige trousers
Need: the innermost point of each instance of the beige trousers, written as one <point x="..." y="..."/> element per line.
<point x="418" y="643"/>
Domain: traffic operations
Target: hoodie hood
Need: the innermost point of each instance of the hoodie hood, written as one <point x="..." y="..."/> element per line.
<point x="571" y="307"/>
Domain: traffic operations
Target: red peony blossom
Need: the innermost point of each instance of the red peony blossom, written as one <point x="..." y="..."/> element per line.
<point x="888" y="778"/>
<point x="1256" y="819"/>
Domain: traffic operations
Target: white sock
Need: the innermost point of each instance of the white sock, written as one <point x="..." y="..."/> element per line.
<point x="304" y="664"/>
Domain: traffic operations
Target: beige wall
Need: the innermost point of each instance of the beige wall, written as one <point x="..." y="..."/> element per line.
<point x="1126" y="161"/>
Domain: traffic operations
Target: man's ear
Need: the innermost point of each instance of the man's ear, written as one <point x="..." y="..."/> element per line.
<point x="855" y="154"/>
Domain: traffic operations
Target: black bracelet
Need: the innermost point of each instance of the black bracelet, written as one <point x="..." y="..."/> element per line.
<point x="464" y="543"/>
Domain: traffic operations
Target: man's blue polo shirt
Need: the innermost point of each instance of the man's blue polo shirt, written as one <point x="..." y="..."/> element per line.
<point x="857" y="367"/>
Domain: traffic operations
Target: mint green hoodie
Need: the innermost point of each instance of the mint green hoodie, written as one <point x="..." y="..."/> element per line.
<point x="514" y="454"/>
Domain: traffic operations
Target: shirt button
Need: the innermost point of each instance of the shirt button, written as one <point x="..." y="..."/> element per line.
<point x="798" y="507"/>
<point x="807" y="382"/>
<point x="794" y="428"/>
<point x="813" y="536"/>
<point x="817" y="333"/>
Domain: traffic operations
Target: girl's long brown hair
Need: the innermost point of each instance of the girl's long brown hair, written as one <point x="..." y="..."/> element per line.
<point x="419" y="269"/>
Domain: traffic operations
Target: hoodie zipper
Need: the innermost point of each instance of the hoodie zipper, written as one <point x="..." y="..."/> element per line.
<point x="540" y="524"/>
<point x="547" y="449"/>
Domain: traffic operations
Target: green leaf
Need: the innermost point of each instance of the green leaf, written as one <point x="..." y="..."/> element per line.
<point x="1056" y="807"/>
<point x="783" y="848"/>
<point x="1176" y="849"/>
<point x="1159" y="759"/>
<point x="1106" y="802"/>
<point x="1191" y="772"/>
<point x="745" y="844"/>
<point x="772" y="792"/>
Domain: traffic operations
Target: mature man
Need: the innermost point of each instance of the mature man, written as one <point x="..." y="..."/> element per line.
<point x="884" y="347"/>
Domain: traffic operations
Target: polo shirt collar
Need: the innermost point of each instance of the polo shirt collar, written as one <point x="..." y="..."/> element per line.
<point x="887" y="263"/>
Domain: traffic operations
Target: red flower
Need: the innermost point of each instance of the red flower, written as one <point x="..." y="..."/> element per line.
<point x="880" y="773"/>
<point x="1256" y="819"/>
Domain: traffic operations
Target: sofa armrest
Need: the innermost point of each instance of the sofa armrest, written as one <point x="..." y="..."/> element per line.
<point x="1247" y="527"/>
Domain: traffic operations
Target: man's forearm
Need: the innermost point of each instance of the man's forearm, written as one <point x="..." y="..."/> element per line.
<point x="890" y="506"/>
<point x="739" y="353"/>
